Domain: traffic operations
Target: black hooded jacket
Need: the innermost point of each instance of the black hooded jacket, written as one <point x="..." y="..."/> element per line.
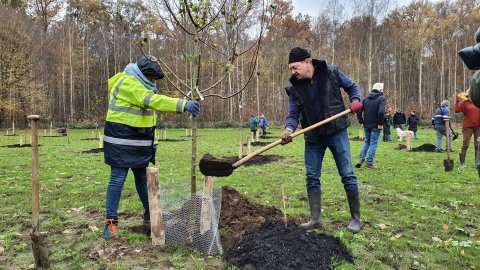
<point x="373" y="113"/>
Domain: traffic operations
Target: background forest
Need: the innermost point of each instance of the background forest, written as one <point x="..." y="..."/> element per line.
<point x="56" y="56"/>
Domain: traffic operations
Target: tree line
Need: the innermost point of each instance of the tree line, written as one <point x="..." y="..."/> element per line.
<point x="57" y="55"/>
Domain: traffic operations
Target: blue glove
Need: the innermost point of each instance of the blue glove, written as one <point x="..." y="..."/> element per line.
<point x="192" y="107"/>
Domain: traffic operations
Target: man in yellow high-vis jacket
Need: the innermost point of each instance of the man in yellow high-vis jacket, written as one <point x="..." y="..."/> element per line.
<point x="129" y="131"/>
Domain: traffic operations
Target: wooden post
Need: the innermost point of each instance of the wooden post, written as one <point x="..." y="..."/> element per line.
<point x="51" y="128"/>
<point x="409" y="140"/>
<point x="156" y="214"/>
<point x="361" y="134"/>
<point x="165" y="134"/>
<point x="240" y="149"/>
<point x="93" y="134"/>
<point x="256" y="135"/>
<point x="186" y="132"/>
<point x="249" y="146"/>
<point x="21" y="140"/>
<point x="39" y="239"/>
<point x="252" y="139"/>
<point x="284" y="206"/>
<point x="100" y="141"/>
<point x="206" y="213"/>
<point x="13" y="127"/>
<point x="45" y="133"/>
<point x="7" y="131"/>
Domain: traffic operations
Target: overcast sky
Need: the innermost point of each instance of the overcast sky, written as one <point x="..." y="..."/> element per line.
<point x="314" y="7"/>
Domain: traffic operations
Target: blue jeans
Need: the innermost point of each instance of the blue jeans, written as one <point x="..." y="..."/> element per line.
<point x="339" y="145"/>
<point x="115" y="186"/>
<point x="370" y="144"/>
<point x="441" y="131"/>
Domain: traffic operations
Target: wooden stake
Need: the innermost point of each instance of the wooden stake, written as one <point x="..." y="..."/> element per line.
<point x="100" y="141"/>
<point x="13" y="127"/>
<point x="186" y="132"/>
<point x="165" y="134"/>
<point x="156" y="214"/>
<point x="409" y="140"/>
<point x="51" y="128"/>
<point x="284" y="206"/>
<point x="21" y="139"/>
<point x="39" y="239"/>
<point x="240" y="149"/>
<point x="249" y="146"/>
<point x="206" y="213"/>
<point x="361" y="134"/>
<point x="93" y="134"/>
<point x="45" y="132"/>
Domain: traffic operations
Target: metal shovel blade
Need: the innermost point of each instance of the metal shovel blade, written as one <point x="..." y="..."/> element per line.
<point x="215" y="167"/>
<point x="448" y="164"/>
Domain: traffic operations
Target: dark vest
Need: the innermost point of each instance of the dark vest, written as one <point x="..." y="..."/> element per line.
<point x="328" y="101"/>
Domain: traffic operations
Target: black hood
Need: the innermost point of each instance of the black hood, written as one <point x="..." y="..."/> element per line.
<point x="374" y="94"/>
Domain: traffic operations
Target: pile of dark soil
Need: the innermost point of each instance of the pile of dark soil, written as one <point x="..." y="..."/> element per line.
<point x="273" y="246"/>
<point x="356" y="139"/>
<point x="254" y="237"/>
<point x="170" y="140"/>
<point x="427" y="147"/>
<point x="257" y="143"/>
<point x="94" y="150"/>
<point x="238" y="215"/>
<point x="18" y="145"/>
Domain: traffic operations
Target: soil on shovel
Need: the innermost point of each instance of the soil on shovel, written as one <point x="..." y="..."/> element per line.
<point x="254" y="237"/>
<point x="273" y="246"/>
<point x="256" y="160"/>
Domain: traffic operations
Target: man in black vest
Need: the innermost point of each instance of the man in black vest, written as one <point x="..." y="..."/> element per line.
<point x="314" y="96"/>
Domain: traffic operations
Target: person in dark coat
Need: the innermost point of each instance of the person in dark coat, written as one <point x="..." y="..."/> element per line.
<point x="387" y="123"/>
<point x="372" y="118"/>
<point x="399" y="119"/>
<point x="412" y="123"/>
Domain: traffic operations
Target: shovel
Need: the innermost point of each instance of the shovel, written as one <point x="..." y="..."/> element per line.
<point x="215" y="167"/>
<point x="448" y="163"/>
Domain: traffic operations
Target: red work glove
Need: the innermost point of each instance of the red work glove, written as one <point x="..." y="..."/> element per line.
<point x="356" y="106"/>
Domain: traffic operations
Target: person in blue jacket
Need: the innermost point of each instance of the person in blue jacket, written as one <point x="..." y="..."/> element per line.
<point x="263" y="124"/>
<point x="438" y="120"/>
<point x="314" y="95"/>
<point x="129" y="132"/>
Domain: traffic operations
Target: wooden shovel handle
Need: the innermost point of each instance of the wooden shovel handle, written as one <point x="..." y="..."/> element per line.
<point x="298" y="133"/>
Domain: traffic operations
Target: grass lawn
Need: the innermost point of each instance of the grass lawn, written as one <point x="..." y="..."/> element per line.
<point x="416" y="215"/>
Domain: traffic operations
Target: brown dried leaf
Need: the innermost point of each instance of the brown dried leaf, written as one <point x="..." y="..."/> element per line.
<point x="445" y="227"/>
<point x="382" y="226"/>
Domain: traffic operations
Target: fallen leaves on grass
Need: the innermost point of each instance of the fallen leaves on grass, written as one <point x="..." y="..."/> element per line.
<point x="396" y="236"/>
<point x="445" y="227"/>
<point x="382" y="226"/>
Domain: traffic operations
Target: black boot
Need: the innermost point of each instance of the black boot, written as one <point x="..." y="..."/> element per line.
<point x="354" y="204"/>
<point x="462" y="160"/>
<point x="315" y="202"/>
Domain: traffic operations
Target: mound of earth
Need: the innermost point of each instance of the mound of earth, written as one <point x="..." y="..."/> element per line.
<point x="18" y="145"/>
<point x="257" y="143"/>
<point x="427" y="147"/>
<point x="95" y="150"/>
<point x="171" y="140"/>
<point x="238" y="215"/>
<point x="272" y="246"/>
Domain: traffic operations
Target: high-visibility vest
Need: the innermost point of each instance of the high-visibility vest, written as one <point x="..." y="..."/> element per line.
<point x="131" y="119"/>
